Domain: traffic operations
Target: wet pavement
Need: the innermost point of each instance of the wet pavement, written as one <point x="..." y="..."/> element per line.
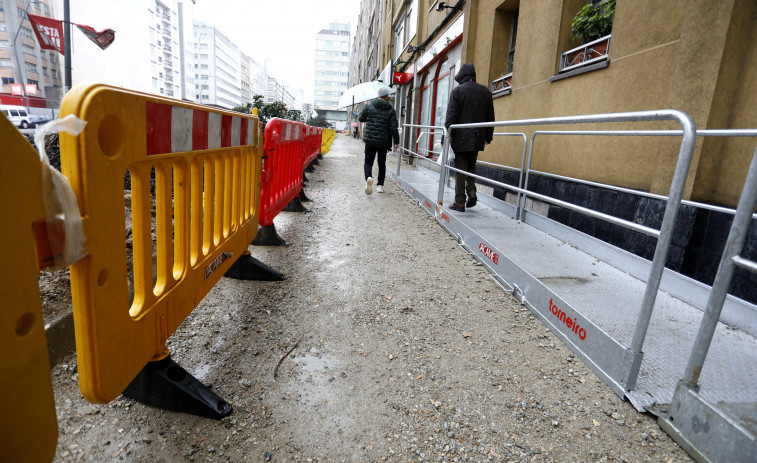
<point x="386" y="342"/>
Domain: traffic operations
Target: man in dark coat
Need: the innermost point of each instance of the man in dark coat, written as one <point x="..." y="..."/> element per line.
<point x="469" y="102"/>
<point x="380" y="129"/>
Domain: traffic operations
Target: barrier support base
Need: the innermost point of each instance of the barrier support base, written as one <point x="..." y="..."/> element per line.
<point x="164" y="384"/>
<point x="267" y="236"/>
<point x="295" y="205"/>
<point x="315" y="162"/>
<point x="320" y="156"/>
<point x="249" y="268"/>
<point x="303" y="198"/>
<point x="304" y="178"/>
<point x="310" y="168"/>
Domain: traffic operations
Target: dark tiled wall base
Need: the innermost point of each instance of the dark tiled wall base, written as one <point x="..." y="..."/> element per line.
<point x="699" y="235"/>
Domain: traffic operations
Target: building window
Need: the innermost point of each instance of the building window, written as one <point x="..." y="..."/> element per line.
<point x="52" y="57"/>
<point x="3" y="27"/>
<point x="44" y="71"/>
<point x="31" y="67"/>
<point x="411" y="24"/>
<point x="55" y="73"/>
<point x="22" y="13"/>
<point x="8" y="80"/>
<point x="26" y="32"/>
<point x="32" y="82"/>
<point x="399" y="38"/>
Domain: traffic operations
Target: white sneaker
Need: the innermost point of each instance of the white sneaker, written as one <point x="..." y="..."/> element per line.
<point x="379" y="188"/>
<point x="369" y="186"/>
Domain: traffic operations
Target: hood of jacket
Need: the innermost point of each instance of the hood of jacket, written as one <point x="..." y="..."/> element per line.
<point x="467" y="72"/>
<point x="382" y="104"/>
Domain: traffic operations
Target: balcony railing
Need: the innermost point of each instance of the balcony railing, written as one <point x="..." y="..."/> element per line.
<point x="502" y="84"/>
<point x="586" y="54"/>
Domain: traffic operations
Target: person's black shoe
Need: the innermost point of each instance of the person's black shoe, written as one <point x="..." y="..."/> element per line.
<point x="471" y="201"/>
<point x="457" y="207"/>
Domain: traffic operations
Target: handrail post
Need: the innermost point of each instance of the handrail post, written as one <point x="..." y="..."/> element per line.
<point x="443" y="171"/>
<point x="666" y="229"/>
<point x="733" y="247"/>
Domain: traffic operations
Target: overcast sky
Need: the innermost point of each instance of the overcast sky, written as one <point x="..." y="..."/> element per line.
<point x="280" y="32"/>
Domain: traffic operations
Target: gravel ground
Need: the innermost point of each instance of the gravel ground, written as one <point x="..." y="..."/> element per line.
<point x="406" y="350"/>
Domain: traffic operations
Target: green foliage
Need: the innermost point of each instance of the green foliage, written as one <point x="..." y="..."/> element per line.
<point x="508" y="67"/>
<point x="593" y="21"/>
<point x="319" y="122"/>
<point x="267" y="111"/>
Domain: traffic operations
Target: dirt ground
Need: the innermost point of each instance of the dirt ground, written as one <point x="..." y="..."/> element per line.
<point x="406" y="350"/>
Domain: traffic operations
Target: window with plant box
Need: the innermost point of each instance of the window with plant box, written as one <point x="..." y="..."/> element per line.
<point x="503" y="51"/>
<point x="592" y="26"/>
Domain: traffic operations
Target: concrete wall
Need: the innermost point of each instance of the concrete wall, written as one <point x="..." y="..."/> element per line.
<point x="697" y="56"/>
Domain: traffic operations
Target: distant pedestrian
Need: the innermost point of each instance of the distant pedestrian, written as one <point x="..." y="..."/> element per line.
<point x="469" y="103"/>
<point x="380" y="130"/>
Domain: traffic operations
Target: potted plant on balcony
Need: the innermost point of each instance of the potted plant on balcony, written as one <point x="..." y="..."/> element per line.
<point x="593" y="21"/>
<point x="593" y="25"/>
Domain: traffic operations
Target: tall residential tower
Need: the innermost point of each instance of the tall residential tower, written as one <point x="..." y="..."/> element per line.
<point x="332" y="64"/>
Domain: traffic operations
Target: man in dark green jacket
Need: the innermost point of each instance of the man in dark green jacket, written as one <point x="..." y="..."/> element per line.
<point x="380" y="130"/>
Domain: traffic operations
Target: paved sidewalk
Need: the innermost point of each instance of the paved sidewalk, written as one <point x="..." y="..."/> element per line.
<point x="387" y="342"/>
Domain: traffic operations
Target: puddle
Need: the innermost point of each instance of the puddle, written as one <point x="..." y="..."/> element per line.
<point x="315" y="375"/>
<point x="201" y="372"/>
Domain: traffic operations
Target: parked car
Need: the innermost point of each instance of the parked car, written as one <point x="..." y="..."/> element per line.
<point x="18" y="116"/>
<point x="39" y="119"/>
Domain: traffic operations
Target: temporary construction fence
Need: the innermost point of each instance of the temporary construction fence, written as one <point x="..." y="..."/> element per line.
<point x="327" y="138"/>
<point x="195" y="175"/>
<point x="630" y="320"/>
<point x="206" y="167"/>
<point x="28" y="419"/>
<point x="285" y="151"/>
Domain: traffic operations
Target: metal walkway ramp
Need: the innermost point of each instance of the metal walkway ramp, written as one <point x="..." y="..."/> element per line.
<point x="600" y="292"/>
<point x="673" y="346"/>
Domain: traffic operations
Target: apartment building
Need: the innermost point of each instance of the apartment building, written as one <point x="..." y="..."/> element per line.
<point x="218" y="63"/>
<point x="332" y="64"/>
<point x="23" y="62"/>
<point x="693" y="56"/>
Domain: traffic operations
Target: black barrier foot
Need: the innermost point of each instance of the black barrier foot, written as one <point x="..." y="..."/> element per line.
<point x="310" y="168"/>
<point x="249" y="268"/>
<point x="304" y="179"/>
<point x="303" y="198"/>
<point x="320" y="156"/>
<point x="295" y="206"/>
<point x="315" y="162"/>
<point x="267" y="236"/>
<point x="164" y="384"/>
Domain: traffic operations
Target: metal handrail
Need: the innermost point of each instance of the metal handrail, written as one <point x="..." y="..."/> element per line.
<point x="734" y="246"/>
<point x="651" y="133"/>
<point x="676" y="190"/>
<point x="416" y="126"/>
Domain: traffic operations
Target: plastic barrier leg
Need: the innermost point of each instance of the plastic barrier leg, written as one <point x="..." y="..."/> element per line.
<point x="315" y="162"/>
<point x="304" y="178"/>
<point x="164" y="384"/>
<point x="320" y="156"/>
<point x="249" y="268"/>
<point x="267" y="236"/>
<point x="303" y="198"/>
<point x="310" y="168"/>
<point x="295" y="205"/>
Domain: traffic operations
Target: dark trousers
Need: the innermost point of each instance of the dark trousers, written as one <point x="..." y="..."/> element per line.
<point x="370" y="155"/>
<point x="465" y="161"/>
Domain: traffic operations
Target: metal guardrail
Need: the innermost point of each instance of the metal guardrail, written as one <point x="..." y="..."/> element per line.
<point x="719" y="436"/>
<point x="585" y="54"/>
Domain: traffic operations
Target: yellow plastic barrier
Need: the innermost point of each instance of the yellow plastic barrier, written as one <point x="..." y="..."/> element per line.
<point x="206" y="165"/>
<point x="328" y="137"/>
<point x="28" y="423"/>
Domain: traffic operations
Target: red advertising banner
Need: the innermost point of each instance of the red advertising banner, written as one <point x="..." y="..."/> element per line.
<point x="31" y="89"/>
<point x="49" y="33"/>
<point x="102" y="39"/>
<point x="17" y="89"/>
